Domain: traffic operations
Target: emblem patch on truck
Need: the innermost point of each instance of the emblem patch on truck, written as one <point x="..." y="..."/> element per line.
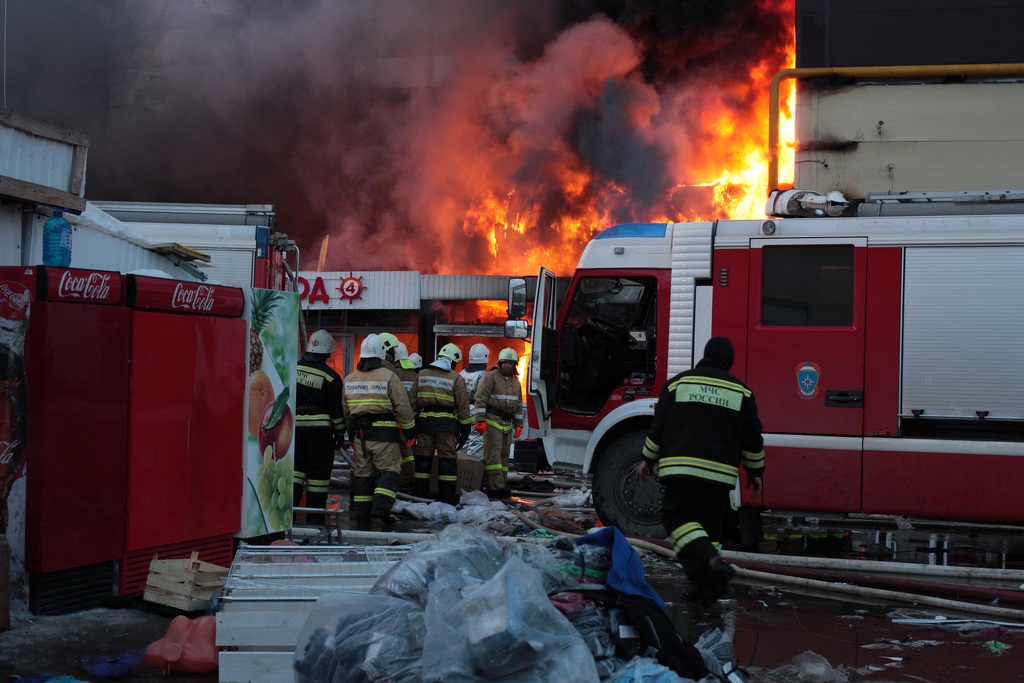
<point x="807" y="376"/>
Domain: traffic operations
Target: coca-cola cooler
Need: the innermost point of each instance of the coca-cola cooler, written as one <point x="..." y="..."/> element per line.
<point x="76" y="370"/>
<point x="185" y="417"/>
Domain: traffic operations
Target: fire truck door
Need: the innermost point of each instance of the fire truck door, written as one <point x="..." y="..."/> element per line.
<point x="805" y="352"/>
<point x="543" y="378"/>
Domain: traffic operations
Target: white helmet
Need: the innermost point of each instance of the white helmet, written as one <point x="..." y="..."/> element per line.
<point x="451" y="352"/>
<point x="508" y="354"/>
<point x="416" y="360"/>
<point x="320" y="341"/>
<point x="479" y="354"/>
<point x="372" y="347"/>
<point x="402" y="356"/>
<point x="389" y="340"/>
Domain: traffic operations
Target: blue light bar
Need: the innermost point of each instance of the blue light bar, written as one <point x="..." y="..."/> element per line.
<point x="633" y="230"/>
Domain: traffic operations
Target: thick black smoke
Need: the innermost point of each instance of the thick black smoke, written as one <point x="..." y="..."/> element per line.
<point x="393" y="126"/>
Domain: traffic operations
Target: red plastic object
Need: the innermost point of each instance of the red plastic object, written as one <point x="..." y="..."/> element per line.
<point x="189" y="646"/>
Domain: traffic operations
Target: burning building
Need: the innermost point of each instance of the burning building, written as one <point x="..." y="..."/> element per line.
<point x="444" y="137"/>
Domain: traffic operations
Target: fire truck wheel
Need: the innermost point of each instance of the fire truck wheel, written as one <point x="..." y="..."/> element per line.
<point x="620" y="498"/>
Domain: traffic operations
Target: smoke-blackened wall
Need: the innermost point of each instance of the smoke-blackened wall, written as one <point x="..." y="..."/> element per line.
<point x="439" y="135"/>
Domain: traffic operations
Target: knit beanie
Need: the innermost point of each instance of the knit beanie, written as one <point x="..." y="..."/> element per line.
<point x="718" y="351"/>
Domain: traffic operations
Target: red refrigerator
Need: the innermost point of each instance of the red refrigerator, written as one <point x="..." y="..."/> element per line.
<point x="76" y="371"/>
<point x="185" y="415"/>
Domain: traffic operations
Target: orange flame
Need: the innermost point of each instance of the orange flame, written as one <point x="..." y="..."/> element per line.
<point x="727" y="170"/>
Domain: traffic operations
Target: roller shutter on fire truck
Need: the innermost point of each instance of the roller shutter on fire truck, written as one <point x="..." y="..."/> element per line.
<point x="887" y="366"/>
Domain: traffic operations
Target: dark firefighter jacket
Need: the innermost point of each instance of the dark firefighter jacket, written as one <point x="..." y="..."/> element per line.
<point x="318" y="394"/>
<point x="705" y="425"/>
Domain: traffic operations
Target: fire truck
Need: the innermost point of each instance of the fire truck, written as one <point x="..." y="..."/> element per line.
<point x="883" y="350"/>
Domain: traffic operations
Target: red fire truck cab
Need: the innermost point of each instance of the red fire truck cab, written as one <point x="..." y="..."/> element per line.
<point x="883" y="349"/>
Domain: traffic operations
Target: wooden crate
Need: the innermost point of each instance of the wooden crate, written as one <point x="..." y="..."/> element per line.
<point x="185" y="584"/>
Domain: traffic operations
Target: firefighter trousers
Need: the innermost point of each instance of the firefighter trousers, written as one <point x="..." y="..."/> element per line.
<point x="443" y="444"/>
<point x="374" y="478"/>
<point x="408" y="466"/>
<point x="693" y="515"/>
<point x="314" y="460"/>
<point x="496" y="449"/>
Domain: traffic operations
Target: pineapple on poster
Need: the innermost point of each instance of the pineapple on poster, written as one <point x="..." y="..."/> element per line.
<point x="273" y="318"/>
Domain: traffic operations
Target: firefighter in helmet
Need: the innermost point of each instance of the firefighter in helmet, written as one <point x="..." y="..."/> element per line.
<point x="403" y="368"/>
<point x="391" y="343"/>
<point x="379" y="417"/>
<point x="499" y="419"/>
<point x="479" y="356"/>
<point x="443" y="422"/>
<point x="319" y="423"/>
<point x="705" y="427"/>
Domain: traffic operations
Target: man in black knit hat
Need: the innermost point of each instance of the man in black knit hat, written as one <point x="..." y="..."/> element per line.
<point x="705" y="426"/>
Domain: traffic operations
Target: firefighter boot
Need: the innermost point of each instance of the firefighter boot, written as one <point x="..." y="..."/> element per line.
<point x="447" y="480"/>
<point x="719" y="574"/>
<point x="421" y="477"/>
<point x="362" y="501"/>
<point x="384" y="497"/>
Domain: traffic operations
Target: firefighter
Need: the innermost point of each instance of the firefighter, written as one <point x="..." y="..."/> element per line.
<point x="705" y="426"/>
<point x="479" y="356"/>
<point x="379" y="417"/>
<point x="499" y="419"/>
<point x="403" y="368"/>
<point x="319" y="423"/>
<point x="443" y="423"/>
<point x="391" y="343"/>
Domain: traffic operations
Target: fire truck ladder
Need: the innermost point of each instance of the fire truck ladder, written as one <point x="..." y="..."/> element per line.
<point x="941" y="203"/>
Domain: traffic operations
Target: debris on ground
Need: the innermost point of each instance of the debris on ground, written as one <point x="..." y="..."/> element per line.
<point x="470" y="606"/>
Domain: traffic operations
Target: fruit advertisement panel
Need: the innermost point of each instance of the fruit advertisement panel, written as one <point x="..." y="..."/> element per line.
<point x="15" y="301"/>
<point x="273" y="319"/>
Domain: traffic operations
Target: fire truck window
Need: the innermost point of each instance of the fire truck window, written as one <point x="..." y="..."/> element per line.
<point x="807" y="286"/>
<point x="607" y="340"/>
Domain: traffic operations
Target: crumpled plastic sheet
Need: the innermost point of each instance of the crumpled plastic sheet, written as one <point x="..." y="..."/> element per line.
<point x="809" y="667"/>
<point x="575" y="498"/>
<point x="351" y="638"/>
<point x="469" y="552"/>
<point x="502" y="628"/>
<point x="715" y="648"/>
<point x="113" y="667"/>
<point x="473" y="513"/>
<point x="644" y="670"/>
<point x="468" y="603"/>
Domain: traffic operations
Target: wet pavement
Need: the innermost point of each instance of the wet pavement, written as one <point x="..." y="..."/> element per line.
<point x="770" y="624"/>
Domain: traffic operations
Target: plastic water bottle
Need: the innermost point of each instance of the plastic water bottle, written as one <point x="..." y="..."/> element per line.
<point x="57" y="241"/>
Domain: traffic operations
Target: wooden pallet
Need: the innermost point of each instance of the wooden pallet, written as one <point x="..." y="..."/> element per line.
<point x="187" y="585"/>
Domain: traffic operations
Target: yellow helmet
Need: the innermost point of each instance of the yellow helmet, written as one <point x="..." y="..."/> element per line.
<point x="508" y="354"/>
<point x="389" y="340"/>
<point x="451" y="352"/>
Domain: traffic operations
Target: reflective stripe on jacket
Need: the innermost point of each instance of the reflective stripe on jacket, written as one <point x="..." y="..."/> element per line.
<point x="318" y="395"/>
<point x="705" y="426"/>
<point x="504" y="396"/>
<point x="440" y="400"/>
<point x="377" y="392"/>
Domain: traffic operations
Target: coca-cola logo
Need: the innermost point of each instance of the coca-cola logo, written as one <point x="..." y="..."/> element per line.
<point x="94" y="286"/>
<point x="8" y="449"/>
<point x="14" y="301"/>
<point x="198" y="298"/>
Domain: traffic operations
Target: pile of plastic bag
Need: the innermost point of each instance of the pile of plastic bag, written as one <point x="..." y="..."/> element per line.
<point x="469" y="606"/>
